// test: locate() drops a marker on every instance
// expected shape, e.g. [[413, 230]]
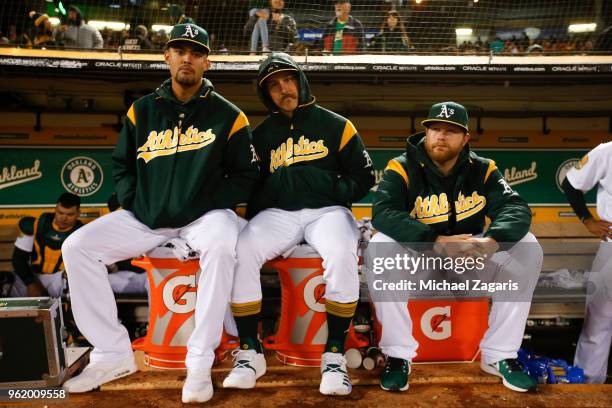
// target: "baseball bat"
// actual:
[[373, 359], [353, 358]]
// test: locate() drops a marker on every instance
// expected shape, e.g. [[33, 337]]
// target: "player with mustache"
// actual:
[[313, 166]]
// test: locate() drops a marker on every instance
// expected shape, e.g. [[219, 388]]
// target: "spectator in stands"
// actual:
[[259, 13], [178, 15], [12, 34], [554, 45], [159, 39], [282, 28], [343, 34], [37, 257], [277, 4], [138, 40], [535, 49], [467, 47], [392, 37], [511, 47], [106, 37], [496, 46], [114, 39], [39, 34], [77, 33]]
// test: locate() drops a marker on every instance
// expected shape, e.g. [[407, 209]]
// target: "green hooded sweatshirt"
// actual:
[[314, 159], [415, 202], [176, 161]]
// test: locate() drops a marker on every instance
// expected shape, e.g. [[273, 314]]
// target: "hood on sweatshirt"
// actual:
[[279, 61]]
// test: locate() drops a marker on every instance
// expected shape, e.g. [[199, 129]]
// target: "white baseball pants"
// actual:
[[122, 282], [52, 282], [506, 320], [593, 349], [331, 231], [119, 235]]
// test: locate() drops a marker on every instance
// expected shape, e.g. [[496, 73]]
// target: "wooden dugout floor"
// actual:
[[419, 395], [431, 385]]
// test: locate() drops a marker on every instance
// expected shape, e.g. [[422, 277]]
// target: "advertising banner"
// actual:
[[33, 178]]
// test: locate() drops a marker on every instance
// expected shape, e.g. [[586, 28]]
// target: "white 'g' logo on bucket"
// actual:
[[434, 319], [177, 296], [314, 292]]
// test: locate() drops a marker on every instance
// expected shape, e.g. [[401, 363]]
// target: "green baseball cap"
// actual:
[[449, 112], [190, 33]]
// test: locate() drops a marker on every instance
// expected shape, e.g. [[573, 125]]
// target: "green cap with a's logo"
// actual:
[[450, 112], [189, 33]]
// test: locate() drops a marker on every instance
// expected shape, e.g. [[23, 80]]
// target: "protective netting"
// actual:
[[513, 27]]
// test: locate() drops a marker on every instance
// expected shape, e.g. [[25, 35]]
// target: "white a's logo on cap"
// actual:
[[445, 112], [190, 31]]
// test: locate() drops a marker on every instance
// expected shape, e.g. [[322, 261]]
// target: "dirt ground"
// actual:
[[419, 395], [432, 385]]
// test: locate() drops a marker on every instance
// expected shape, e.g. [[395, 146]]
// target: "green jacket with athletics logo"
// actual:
[[176, 161], [314, 159], [414, 202]]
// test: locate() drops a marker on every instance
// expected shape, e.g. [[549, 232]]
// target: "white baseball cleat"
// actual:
[[198, 386], [249, 365], [334, 378], [101, 372]]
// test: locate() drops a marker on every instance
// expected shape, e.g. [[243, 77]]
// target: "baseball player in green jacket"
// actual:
[[183, 161], [313, 166], [439, 191], [37, 257]]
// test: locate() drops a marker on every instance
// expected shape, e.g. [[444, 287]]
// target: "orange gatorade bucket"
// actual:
[[302, 332], [446, 330], [173, 288]]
